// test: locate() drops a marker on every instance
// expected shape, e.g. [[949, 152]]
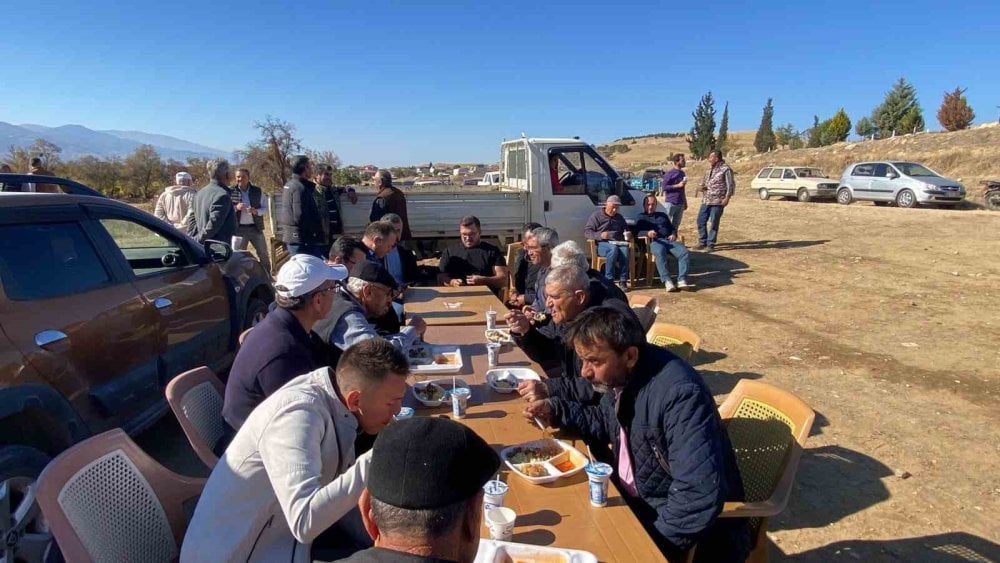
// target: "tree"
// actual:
[[48, 152], [795, 142], [144, 172], [955, 113], [17, 158], [723, 130], [701, 139], [837, 128], [764, 140], [274, 149], [814, 135], [100, 174], [323, 157], [783, 135], [899, 112], [346, 177], [865, 127]]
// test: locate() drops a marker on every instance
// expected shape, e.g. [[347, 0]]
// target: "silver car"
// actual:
[[905, 184]]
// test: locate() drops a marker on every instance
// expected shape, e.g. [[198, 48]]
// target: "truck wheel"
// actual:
[[804, 196], [844, 196], [24, 533], [905, 198], [256, 309], [763, 193]]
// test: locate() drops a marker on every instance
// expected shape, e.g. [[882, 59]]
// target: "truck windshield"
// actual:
[[914, 170]]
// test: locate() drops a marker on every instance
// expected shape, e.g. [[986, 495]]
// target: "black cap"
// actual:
[[373, 273], [425, 462]]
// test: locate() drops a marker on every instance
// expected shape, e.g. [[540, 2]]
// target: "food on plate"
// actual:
[[533, 470], [539, 317], [497, 335], [419, 356], [530, 556], [504, 383], [429, 392], [445, 359], [533, 455], [566, 466]]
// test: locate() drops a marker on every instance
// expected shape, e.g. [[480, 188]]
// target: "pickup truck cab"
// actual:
[[491, 179]]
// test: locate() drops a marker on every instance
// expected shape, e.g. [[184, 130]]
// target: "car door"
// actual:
[[789, 183], [77, 323], [189, 294], [882, 186], [861, 180], [774, 180]]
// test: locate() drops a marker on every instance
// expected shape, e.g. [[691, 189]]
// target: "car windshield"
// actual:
[[809, 173], [914, 170]]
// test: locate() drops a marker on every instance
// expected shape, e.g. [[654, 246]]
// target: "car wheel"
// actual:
[[993, 201], [905, 198], [804, 196], [844, 196], [24, 533], [763, 193], [256, 309]]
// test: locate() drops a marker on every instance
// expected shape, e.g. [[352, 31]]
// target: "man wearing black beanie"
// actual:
[[424, 501]]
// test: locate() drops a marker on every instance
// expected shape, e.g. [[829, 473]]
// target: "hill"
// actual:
[[77, 140]]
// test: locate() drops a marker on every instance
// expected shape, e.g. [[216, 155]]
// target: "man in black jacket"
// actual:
[[251, 206], [212, 215], [301, 222], [673, 461]]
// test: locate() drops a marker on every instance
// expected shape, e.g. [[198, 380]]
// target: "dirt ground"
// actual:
[[886, 321]]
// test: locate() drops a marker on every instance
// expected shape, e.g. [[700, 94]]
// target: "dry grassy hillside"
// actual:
[[971, 156]]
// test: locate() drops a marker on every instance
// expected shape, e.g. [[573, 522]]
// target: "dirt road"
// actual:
[[887, 322]]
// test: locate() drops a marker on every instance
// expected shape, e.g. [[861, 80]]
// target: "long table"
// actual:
[[442, 306], [557, 514]]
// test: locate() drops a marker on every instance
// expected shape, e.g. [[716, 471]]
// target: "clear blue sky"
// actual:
[[406, 82]]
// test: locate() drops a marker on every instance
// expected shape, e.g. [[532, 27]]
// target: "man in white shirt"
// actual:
[[251, 207]]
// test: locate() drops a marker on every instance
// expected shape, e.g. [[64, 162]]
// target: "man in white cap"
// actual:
[[609, 229], [174, 202], [283, 346]]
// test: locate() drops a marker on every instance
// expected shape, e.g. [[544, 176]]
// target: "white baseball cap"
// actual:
[[304, 273]]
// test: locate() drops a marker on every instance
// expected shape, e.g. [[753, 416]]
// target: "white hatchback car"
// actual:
[[802, 182]]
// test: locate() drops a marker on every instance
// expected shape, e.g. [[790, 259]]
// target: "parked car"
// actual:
[[801, 182], [101, 304], [905, 184]]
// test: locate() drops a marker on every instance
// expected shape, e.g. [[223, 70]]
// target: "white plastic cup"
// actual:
[[237, 243], [493, 354], [500, 521], [404, 413], [494, 493], [460, 401], [491, 320], [599, 474]]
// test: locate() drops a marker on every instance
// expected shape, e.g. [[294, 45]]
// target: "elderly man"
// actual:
[[539, 249], [662, 240], [301, 221], [251, 206], [718, 187], [525, 273], [424, 501], [291, 473], [283, 345], [367, 297], [609, 229], [389, 199], [473, 262], [569, 252], [212, 215], [173, 204], [673, 460]]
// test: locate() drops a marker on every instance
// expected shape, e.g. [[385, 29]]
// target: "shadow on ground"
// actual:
[[714, 270], [722, 382], [768, 244], [954, 547]]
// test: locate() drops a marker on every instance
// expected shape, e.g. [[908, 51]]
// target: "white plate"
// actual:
[[498, 335], [579, 460], [494, 551], [522, 374], [444, 384], [452, 352]]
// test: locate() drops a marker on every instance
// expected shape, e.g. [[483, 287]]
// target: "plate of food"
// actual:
[[499, 335], [495, 551], [428, 358], [506, 380], [436, 392], [543, 461]]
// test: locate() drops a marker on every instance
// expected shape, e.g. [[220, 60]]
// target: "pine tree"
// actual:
[[815, 134], [723, 130], [865, 127], [701, 140], [837, 128], [955, 113], [765, 141], [784, 134], [899, 112]]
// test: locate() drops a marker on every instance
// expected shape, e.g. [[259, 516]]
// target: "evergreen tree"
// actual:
[[701, 140], [764, 140], [784, 134], [815, 134], [899, 112], [865, 127], [837, 128], [955, 113], [723, 130]]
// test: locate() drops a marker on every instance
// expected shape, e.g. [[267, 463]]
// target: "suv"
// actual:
[[101, 304], [801, 182], [906, 184]]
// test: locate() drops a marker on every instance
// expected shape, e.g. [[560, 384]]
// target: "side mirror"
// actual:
[[218, 251], [891, 175]]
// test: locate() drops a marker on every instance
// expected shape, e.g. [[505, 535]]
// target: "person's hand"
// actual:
[[239, 206], [672, 237], [605, 235], [541, 409], [685, 206], [627, 235], [475, 280], [352, 196], [725, 201], [683, 183], [456, 282], [419, 324], [651, 234], [516, 300], [517, 322], [532, 390]]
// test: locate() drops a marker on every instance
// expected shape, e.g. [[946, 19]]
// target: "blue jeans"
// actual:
[[713, 214], [320, 251], [615, 260], [674, 212], [660, 248]]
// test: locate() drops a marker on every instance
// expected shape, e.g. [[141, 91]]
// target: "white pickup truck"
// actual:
[[585, 180], [491, 179]]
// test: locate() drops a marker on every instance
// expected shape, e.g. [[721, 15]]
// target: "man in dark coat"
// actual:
[[301, 221], [389, 199], [212, 215]]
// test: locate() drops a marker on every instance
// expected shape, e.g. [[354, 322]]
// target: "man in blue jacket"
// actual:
[[673, 461], [662, 237]]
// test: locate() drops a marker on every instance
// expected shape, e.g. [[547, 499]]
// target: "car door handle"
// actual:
[[46, 337], [162, 303]]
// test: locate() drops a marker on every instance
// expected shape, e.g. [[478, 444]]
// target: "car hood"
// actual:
[[935, 180]]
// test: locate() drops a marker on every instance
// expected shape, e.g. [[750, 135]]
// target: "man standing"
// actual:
[[212, 215], [673, 460], [331, 196], [473, 262], [301, 222], [175, 201], [719, 187], [36, 167], [251, 206], [389, 199], [609, 229], [675, 200], [662, 236]]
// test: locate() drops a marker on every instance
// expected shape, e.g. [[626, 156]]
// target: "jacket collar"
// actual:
[[323, 378]]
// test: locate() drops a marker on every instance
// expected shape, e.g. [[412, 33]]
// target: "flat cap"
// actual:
[[373, 273]]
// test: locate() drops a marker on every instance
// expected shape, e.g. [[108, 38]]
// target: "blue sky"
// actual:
[[406, 82]]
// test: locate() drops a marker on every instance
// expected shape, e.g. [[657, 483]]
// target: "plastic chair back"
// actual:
[[196, 397], [680, 340]]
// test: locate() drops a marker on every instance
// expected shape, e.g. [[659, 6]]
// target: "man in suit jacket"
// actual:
[[212, 215]]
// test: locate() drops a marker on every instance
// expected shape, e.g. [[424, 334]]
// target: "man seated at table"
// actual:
[[662, 237], [609, 229], [672, 457], [379, 239], [525, 273], [570, 253], [539, 248], [347, 251], [290, 473], [424, 500], [473, 262], [400, 261], [367, 297]]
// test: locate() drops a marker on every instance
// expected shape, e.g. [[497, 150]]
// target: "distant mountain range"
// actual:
[[77, 140]]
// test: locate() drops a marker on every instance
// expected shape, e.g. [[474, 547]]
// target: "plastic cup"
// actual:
[[491, 319], [493, 354], [460, 401], [404, 413], [599, 474], [494, 492], [500, 521], [237, 243]]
